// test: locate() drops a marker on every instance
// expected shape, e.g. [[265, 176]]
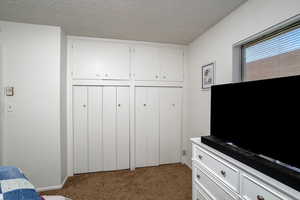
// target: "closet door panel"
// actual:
[[170, 125], [109, 128], [152, 132], [140, 126], [171, 64], [147, 127], [146, 63], [80, 130], [122, 127], [95, 129]]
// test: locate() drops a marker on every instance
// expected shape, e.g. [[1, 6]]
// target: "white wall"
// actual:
[[32, 131], [1, 100], [217, 45], [63, 105]]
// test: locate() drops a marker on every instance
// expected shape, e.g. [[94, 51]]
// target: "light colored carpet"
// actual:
[[166, 182]]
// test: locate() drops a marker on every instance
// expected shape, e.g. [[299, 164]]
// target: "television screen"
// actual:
[[260, 116]]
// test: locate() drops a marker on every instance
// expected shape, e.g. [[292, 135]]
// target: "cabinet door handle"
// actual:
[[198, 176], [119, 105], [200, 157], [145, 104], [156, 76], [223, 173], [259, 197], [84, 105]]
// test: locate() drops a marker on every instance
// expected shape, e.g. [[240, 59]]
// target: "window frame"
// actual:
[[263, 38]]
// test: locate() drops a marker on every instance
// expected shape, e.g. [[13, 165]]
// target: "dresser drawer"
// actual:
[[220, 168], [253, 189], [209, 188], [198, 193]]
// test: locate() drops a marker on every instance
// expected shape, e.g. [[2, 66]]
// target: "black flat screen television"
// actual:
[[260, 116]]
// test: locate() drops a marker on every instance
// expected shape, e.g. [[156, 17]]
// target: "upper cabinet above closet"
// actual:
[[171, 64], [115, 60], [95, 59], [156, 63]]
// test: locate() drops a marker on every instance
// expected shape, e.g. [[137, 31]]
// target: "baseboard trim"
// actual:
[[54, 187], [187, 164]]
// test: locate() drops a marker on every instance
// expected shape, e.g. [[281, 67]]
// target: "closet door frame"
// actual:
[[132, 83]]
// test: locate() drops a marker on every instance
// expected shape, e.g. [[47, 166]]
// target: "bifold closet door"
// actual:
[[123, 127], [80, 128], [109, 128], [147, 126], [170, 125], [95, 129]]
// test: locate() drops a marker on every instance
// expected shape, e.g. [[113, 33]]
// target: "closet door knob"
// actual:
[[259, 197], [119, 105], [84, 105], [200, 157], [224, 174], [145, 104], [156, 76], [198, 176]]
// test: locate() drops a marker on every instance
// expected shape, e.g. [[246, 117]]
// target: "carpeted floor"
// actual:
[[166, 182]]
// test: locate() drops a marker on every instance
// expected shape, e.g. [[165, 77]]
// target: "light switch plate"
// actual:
[[9, 91]]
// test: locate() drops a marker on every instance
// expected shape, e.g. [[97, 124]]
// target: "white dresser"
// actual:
[[217, 176]]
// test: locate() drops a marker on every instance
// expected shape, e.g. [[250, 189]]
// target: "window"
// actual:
[[275, 55]]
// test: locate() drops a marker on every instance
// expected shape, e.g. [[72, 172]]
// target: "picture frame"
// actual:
[[208, 75]]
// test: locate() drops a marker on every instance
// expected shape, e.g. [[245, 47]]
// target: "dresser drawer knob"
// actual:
[[224, 174], [259, 197], [200, 157], [198, 176]]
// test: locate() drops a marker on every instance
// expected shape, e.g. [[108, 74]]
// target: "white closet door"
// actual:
[[147, 127], [95, 129], [85, 62], [146, 63], [170, 125], [115, 60], [122, 127], [80, 130], [109, 128], [171, 64]]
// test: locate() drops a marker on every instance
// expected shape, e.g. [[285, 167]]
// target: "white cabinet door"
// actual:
[[147, 126], [114, 60], [109, 128], [122, 127], [85, 59], [146, 63], [80, 130], [95, 129], [171, 61], [170, 125]]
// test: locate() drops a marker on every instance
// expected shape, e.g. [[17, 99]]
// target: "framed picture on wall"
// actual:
[[208, 75]]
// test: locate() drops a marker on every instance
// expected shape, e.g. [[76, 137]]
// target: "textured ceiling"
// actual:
[[172, 21]]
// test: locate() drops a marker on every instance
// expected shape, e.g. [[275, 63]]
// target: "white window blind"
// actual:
[[284, 43]]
